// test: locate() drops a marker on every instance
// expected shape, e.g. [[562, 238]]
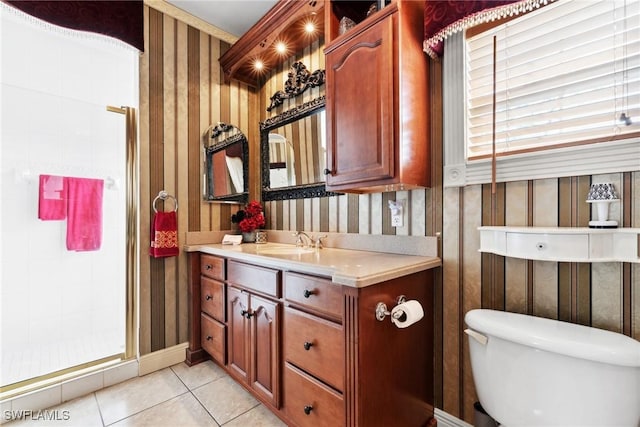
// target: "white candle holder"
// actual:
[[602, 195]]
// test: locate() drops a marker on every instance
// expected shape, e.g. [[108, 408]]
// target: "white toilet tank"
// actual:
[[532, 371]]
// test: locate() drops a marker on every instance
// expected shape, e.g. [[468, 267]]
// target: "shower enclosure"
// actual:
[[62, 309]]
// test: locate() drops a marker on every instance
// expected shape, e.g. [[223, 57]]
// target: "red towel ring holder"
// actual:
[[163, 195]]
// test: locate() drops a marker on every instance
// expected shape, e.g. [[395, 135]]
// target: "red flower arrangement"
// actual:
[[250, 218]]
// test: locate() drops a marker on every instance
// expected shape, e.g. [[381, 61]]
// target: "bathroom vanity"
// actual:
[[297, 327]]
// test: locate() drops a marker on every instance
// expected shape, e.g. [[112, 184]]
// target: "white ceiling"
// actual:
[[233, 16]]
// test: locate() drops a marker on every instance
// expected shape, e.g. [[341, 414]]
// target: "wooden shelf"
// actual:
[[284, 21], [563, 244]]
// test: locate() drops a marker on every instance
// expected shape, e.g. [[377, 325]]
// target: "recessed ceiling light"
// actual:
[[309, 27], [281, 47], [258, 64]]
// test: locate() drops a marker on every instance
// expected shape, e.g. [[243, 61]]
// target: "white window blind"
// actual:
[[566, 74]]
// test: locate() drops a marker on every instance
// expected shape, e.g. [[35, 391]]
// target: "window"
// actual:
[[565, 74]]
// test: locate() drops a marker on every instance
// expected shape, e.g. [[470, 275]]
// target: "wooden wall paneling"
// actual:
[[353, 217], [418, 207], [408, 213], [156, 166], [206, 84], [323, 214], [144, 338], [379, 221], [634, 194], [606, 278], [545, 273], [452, 266], [471, 286], [364, 213], [516, 214]]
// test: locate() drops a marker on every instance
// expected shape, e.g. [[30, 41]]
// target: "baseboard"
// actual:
[[162, 359], [448, 420]]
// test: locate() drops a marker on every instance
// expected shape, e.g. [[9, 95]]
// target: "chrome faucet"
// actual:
[[316, 243], [300, 241]]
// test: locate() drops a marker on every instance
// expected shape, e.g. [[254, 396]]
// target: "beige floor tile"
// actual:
[[80, 412], [183, 411], [198, 375], [259, 416], [133, 396], [225, 399]]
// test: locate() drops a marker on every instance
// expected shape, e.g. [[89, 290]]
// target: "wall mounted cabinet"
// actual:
[[563, 244], [377, 99]]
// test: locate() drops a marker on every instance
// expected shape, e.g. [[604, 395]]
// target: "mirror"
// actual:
[[226, 166], [293, 153]]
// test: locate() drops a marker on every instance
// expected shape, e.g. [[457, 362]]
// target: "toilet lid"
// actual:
[[557, 336]]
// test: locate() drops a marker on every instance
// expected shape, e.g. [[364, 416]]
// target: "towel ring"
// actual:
[[163, 195]]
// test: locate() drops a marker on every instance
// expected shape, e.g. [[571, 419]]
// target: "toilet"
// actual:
[[532, 371]]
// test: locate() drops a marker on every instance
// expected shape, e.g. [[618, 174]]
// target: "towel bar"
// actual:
[[163, 195]]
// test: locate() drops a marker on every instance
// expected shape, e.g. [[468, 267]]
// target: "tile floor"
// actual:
[[201, 395]]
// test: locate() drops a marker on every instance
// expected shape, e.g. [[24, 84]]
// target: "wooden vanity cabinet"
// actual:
[[254, 328], [208, 317], [377, 99], [312, 350]]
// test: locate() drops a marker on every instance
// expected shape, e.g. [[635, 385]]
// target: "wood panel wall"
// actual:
[[182, 92]]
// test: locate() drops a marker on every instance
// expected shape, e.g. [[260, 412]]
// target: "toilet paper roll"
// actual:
[[407, 313]]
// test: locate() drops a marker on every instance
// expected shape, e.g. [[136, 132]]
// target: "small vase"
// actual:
[[249, 237]]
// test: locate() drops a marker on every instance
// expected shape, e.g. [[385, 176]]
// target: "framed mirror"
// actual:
[[226, 166], [292, 147]]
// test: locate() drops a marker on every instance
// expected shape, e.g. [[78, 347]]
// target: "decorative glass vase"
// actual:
[[249, 237]]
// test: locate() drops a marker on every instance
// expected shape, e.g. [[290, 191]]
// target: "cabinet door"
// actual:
[[360, 107], [265, 348], [238, 333]]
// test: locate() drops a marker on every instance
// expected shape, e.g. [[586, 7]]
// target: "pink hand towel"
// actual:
[[164, 232], [52, 198], [84, 210]]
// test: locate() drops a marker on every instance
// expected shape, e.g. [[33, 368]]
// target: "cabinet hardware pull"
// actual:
[[208, 297], [209, 337], [307, 409], [208, 267], [246, 313], [327, 171], [307, 345], [307, 293]]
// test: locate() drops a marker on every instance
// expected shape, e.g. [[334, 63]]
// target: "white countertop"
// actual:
[[349, 267]]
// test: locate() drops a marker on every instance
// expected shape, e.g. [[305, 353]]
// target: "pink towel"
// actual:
[[84, 211], [164, 232], [52, 198]]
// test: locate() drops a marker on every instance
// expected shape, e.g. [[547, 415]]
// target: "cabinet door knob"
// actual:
[[327, 171], [307, 409], [307, 293], [246, 313], [209, 337], [208, 297], [307, 345], [208, 267]]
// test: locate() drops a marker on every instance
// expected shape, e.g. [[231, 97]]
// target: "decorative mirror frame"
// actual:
[[297, 191], [212, 133]]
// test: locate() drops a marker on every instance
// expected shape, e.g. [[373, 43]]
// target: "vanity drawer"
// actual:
[[552, 247], [259, 279], [212, 298], [212, 266], [315, 345], [213, 338], [309, 403], [315, 293]]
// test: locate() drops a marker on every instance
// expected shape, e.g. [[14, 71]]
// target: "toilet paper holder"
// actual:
[[382, 311]]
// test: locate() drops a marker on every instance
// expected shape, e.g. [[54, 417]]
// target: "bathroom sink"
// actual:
[[285, 251]]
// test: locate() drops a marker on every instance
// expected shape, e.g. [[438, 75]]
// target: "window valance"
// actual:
[[119, 19], [445, 17]]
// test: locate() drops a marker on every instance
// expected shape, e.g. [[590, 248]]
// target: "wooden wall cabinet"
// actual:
[[377, 99]]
